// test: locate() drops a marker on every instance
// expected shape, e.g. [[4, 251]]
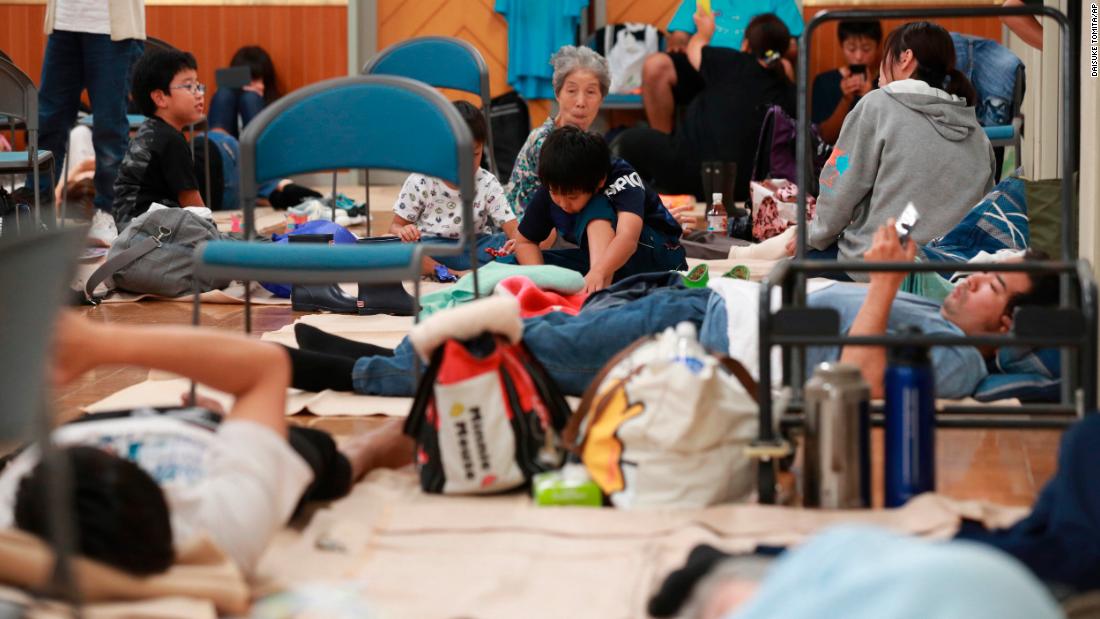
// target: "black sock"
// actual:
[[312, 338], [317, 371]]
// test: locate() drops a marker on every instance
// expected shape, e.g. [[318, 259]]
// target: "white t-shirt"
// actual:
[[239, 484], [436, 209], [92, 16]]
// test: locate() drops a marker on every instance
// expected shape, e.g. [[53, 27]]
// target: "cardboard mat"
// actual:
[[428, 556]]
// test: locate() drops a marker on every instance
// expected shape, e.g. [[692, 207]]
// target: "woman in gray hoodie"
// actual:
[[915, 139]]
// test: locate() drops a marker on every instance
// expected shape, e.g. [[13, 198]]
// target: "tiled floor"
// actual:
[[1005, 466]]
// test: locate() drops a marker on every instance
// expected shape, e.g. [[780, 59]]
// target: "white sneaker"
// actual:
[[103, 231]]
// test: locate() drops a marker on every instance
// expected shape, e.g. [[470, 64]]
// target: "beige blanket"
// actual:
[[437, 557]]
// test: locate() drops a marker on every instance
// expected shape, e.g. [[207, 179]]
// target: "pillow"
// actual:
[[1029, 374]]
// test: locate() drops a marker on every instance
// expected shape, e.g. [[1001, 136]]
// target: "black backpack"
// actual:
[[511, 123]]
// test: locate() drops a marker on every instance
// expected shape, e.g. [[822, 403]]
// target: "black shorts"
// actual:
[[688, 80]]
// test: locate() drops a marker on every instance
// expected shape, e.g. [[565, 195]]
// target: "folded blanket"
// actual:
[[547, 277], [534, 301]]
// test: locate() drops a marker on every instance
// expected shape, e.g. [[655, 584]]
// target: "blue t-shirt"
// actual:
[[624, 191], [535, 31], [731, 17], [958, 369]]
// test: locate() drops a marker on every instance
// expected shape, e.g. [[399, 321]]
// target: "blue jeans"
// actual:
[[573, 348], [991, 67], [229, 104], [462, 262], [75, 61]]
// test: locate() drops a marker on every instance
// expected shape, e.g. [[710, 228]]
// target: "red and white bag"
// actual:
[[775, 207], [487, 416]]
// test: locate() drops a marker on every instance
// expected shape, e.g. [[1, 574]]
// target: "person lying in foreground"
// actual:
[[574, 348], [145, 484]]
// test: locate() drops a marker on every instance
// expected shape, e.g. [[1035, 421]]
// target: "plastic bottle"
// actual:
[[716, 215], [687, 347], [910, 424]]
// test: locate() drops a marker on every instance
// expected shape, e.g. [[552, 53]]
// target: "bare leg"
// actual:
[[658, 80], [384, 447]]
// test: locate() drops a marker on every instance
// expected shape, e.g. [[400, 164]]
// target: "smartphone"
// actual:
[[857, 69], [905, 222]]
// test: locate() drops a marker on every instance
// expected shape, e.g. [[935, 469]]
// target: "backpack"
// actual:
[[776, 150], [155, 255], [511, 123], [664, 424], [225, 173], [486, 415]]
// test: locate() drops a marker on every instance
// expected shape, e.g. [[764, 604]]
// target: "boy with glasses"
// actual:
[[158, 165]]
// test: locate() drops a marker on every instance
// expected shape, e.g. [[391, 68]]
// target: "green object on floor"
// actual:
[[546, 276], [697, 277], [738, 272], [568, 486]]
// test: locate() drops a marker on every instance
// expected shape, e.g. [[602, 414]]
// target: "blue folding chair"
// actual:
[[352, 122], [443, 62], [19, 101]]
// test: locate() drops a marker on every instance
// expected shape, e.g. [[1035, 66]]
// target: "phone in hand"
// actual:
[[905, 222], [857, 69]]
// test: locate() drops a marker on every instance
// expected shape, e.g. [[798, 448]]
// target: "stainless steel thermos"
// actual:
[[837, 448]]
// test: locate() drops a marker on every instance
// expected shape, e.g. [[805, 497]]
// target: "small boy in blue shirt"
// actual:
[[620, 226]]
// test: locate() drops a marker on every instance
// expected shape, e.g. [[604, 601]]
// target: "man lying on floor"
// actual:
[[145, 484], [574, 348]]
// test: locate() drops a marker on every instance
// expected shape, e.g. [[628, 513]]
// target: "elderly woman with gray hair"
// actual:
[[581, 79]]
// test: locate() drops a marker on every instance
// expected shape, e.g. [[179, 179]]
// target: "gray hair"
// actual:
[[572, 58]]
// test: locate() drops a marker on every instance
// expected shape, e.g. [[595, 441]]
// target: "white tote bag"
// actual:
[[668, 425]]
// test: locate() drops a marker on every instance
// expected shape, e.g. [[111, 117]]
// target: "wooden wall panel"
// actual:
[[307, 43], [473, 21], [656, 12]]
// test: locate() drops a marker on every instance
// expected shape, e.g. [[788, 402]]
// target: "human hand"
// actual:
[[854, 85], [595, 280], [409, 233], [685, 217], [508, 248], [256, 86], [704, 23], [886, 247]]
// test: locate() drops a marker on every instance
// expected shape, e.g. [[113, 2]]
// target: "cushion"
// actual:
[[1029, 374]]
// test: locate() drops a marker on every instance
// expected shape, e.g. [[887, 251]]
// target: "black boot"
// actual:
[[389, 298], [319, 297]]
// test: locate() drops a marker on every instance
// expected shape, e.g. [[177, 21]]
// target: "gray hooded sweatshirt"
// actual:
[[905, 142]]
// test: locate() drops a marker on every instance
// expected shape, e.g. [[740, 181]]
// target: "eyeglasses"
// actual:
[[194, 88]]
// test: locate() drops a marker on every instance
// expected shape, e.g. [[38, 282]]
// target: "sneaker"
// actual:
[[103, 231]]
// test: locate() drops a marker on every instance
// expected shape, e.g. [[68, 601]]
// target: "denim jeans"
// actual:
[[991, 67], [229, 104], [462, 262], [75, 61], [573, 348]]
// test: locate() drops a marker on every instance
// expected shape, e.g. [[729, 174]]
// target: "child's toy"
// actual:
[[705, 6], [496, 252], [444, 275]]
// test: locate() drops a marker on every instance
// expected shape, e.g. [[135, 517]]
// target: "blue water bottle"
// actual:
[[910, 424]]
